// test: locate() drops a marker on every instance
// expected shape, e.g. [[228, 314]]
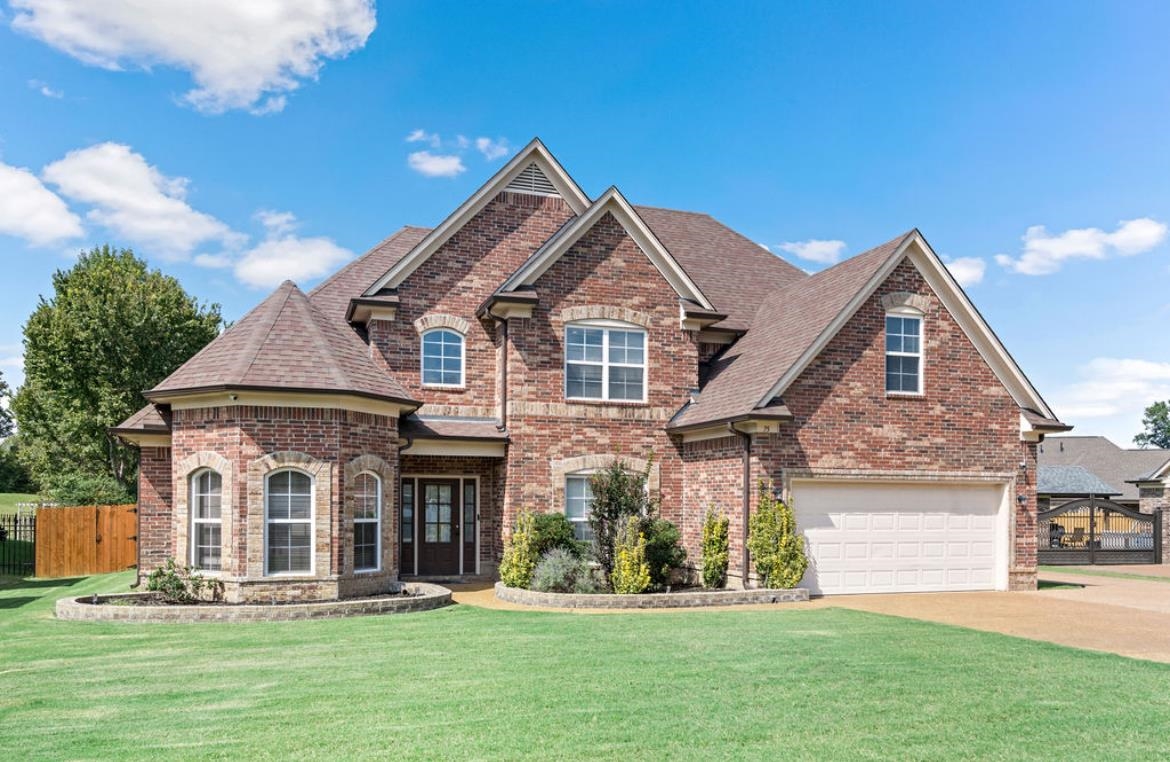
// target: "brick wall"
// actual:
[[713, 479], [1151, 499], [155, 542], [605, 270], [455, 281]]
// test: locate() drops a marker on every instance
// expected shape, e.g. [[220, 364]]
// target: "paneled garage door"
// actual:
[[894, 538]]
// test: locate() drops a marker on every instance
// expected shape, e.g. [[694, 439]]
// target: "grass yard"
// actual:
[[1103, 573], [471, 683], [8, 500]]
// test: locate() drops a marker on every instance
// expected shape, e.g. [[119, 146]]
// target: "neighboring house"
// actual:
[[396, 419], [1136, 478]]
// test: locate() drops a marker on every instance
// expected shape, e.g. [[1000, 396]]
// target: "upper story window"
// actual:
[[367, 523], [206, 529], [288, 513], [904, 353], [442, 358], [605, 360]]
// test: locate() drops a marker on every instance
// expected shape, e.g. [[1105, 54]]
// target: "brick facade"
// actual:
[[1152, 498], [155, 489]]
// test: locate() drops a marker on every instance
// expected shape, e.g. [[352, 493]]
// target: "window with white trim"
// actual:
[[605, 361], [442, 358], [904, 353], [367, 523], [579, 504], [206, 526], [288, 514]]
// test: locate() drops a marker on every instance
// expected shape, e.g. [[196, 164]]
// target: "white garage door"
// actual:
[[894, 538]]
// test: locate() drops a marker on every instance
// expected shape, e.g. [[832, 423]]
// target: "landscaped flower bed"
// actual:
[[149, 607], [686, 598]]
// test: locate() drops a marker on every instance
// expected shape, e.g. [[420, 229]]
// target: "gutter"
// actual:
[[745, 560]]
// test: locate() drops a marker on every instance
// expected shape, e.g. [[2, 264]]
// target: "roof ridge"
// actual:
[[253, 347], [319, 320], [359, 258]]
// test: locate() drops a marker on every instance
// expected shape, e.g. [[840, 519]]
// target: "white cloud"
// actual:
[[825, 252], [1045, 253], [44, 89], [31, 211], [435, 165], [241, 55], [212, 261], [1110, 396], [289, 258], [492, 149], [277, 223], [967, 270], [135, 200], [422, 136]]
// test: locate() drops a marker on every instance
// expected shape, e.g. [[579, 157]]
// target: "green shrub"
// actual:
[[183, 584], [561, 571], [777, 550], [554, 530], [631, 573], [77, 488], [715, 549], [520, 555], [618, 494], [664, 551]]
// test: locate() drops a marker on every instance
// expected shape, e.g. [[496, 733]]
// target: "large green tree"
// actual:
[[1156, 423], [5, 413], [112, 329]]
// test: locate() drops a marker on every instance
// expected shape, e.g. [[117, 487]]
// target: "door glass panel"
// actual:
[[469, 513], [408, 511], [437, 512]]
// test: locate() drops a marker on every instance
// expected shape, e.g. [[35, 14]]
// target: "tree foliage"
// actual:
[[5, 413], [1156, 423], [112, 329], [618, 493]]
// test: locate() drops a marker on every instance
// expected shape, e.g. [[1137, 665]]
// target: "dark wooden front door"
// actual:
[[438, 531]]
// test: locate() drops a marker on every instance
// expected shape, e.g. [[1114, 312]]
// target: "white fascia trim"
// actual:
[[614, 202], [534, 151], [990, 348], [460, 448]]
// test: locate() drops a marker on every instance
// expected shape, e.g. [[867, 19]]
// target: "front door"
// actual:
[[439, 546]]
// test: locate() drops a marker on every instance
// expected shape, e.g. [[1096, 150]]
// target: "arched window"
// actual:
[[288, 508], [442, 358], [605, 360], [206, 529], [367, 523]]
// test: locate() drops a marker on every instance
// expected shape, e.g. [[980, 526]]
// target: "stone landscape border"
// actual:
[[685, 599], [427, 596]]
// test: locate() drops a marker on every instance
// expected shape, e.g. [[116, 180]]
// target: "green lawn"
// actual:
[[1103, 573], [471, 683], [8, 500]]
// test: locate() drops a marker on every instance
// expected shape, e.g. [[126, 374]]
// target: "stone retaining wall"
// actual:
[[688, 599], [82, 609]]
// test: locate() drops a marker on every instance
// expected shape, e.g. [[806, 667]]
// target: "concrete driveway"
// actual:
[[1122, 616]]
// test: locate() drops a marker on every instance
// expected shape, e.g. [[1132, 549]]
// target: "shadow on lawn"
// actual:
[[28, 583], [16, 602]]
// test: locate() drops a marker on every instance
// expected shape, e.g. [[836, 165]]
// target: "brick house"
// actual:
[[396, 419]]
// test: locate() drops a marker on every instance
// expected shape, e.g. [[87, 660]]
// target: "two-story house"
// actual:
[[396, 419]]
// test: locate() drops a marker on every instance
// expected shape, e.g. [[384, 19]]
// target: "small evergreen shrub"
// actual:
[[560, 571], [631, 573], [618, 494], [554, 530], [777, 550], [664, 551], [715, 549], [520, 555], [183, 584]]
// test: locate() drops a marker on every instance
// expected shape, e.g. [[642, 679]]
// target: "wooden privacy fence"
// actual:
[[91, 539]]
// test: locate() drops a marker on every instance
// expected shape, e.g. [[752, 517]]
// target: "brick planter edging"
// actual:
[[689, 599], [82, 609]]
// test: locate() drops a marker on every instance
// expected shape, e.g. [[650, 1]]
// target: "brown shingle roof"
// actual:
[[787, 323], [286, 343], [1114, 465], [417, 427], [732, 271], [332, 296], [149, 418]]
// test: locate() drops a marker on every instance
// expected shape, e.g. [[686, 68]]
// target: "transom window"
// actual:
[[578, 505], [206, 528], [442, 358], [605, 363], [904, 354], [289, 518], [367, 523]]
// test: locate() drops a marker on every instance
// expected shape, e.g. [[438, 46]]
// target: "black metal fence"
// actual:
[[1096, 531], [18, 543]]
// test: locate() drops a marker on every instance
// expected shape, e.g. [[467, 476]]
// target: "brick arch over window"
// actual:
[[562, 468], [388, 476], [181, 518], [323, 509], [606, 312], [438, 320], [905, 299]]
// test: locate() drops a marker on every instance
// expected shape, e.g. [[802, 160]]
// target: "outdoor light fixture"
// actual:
[[1021, 499]]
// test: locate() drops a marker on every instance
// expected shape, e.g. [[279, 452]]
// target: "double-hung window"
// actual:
[[605, 362], [289, 518], [367, 523], [579, 504], [206, 529], [903, 353]]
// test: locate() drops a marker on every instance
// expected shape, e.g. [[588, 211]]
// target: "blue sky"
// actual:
[[1027, 141]]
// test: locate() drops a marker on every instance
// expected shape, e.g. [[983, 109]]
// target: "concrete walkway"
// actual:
[[1121, 616]]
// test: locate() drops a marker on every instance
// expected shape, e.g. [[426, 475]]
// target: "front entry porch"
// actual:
[[440, 520]]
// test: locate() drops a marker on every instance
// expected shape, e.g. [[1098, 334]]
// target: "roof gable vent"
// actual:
[[531, 180]]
